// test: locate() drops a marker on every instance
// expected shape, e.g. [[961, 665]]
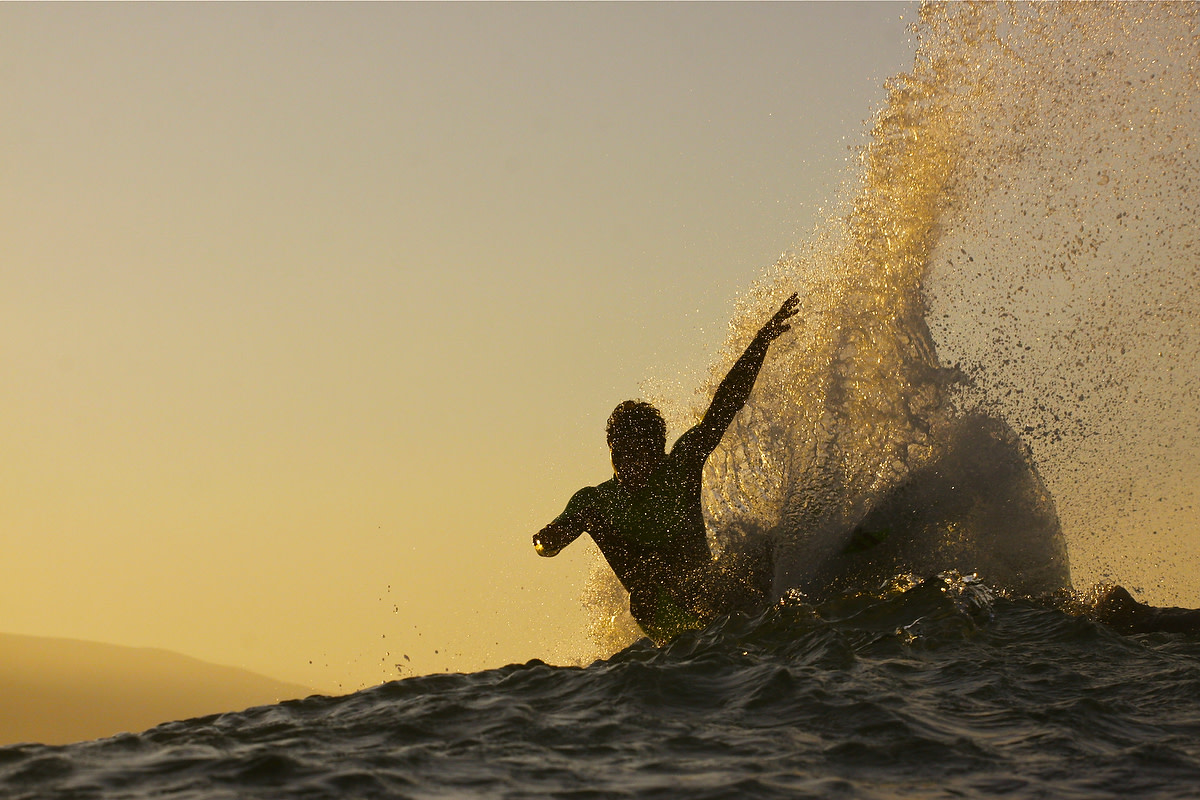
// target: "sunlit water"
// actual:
[[1023, 243], [996, 368]]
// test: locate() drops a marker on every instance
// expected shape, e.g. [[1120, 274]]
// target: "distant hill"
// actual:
[[56, 691]]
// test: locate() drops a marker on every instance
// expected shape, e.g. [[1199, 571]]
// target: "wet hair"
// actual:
[[635, 419]]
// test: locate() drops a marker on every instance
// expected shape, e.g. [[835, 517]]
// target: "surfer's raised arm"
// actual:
[[734, 390], [647, 519]]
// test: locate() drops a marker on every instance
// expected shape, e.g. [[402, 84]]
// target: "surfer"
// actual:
[[647, 519]]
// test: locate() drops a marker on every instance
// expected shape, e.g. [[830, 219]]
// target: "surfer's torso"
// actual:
[[653, 537]]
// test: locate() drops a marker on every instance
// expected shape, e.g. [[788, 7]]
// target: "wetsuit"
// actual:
[[654, 538]]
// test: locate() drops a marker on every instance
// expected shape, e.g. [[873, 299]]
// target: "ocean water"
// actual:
[[996, 375], [938, 689]]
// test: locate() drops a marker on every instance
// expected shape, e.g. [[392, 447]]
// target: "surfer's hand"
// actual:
[[540, 546], [551, 539], [777, 325]]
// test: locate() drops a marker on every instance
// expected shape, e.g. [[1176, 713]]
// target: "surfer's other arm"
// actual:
[[550, 540], [578, 518], [734, 390]]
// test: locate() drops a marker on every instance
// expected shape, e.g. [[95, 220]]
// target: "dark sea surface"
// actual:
[[939, 690]]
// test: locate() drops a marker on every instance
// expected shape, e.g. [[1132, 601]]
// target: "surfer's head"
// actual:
[[637, 437]]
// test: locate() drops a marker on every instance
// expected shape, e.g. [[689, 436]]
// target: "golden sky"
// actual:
[[312, 314]]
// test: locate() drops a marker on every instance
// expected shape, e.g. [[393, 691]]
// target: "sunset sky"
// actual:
[[313, 314]]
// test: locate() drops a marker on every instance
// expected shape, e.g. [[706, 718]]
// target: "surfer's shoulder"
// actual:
[[601, 489], [592, 495], [688, 448]]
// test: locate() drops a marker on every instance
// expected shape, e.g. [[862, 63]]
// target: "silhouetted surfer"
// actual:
[[647, 519]]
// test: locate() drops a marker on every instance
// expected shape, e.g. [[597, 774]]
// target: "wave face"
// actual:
[[922, 689]]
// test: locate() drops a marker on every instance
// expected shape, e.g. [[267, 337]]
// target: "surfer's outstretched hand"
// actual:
[[777, 325]]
